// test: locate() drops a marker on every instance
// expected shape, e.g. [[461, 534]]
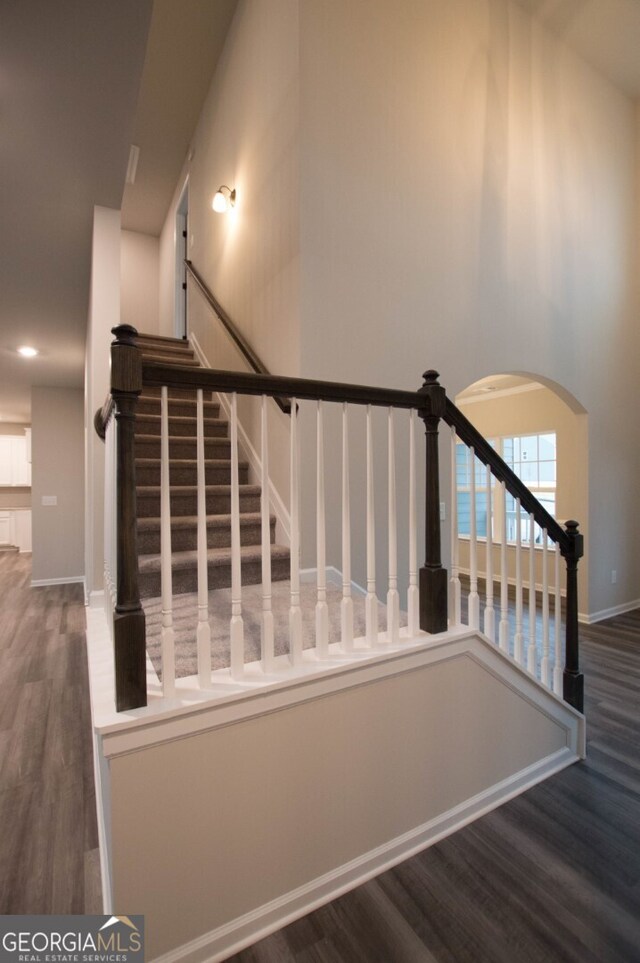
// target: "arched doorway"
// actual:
[[540, 429]]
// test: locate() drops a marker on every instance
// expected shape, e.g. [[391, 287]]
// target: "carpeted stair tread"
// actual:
[[181, 425], [193, 489], [213, 521], [184, 471], [215, 557], [187, 407]]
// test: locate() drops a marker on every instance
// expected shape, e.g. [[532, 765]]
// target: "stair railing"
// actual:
[[563, 676], [427, 595], [245, 349]]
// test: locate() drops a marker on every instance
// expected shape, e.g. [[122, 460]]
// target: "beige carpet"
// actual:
[[185, 617]]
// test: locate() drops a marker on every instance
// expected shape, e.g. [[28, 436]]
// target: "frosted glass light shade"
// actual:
[[223, 201], [219, 202]]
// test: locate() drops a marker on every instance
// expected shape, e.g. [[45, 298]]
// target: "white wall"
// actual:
[[139, 280], [57, 447], [467, 204], [104, 314], [247, 137], [427, 185]]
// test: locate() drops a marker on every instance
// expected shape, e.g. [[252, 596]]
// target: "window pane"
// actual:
[[529, 473], [548, 472], [529, 448], [547, 446]]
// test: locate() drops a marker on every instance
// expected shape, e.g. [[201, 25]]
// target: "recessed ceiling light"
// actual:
[[27, 352]]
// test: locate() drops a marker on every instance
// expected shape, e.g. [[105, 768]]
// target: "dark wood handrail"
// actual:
[[211, 379], [470, 435], [239, 340]]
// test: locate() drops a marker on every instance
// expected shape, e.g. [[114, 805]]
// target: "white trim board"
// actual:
[[70, 580], [333, 576], [275, 501], [592, 617], [234, 936]]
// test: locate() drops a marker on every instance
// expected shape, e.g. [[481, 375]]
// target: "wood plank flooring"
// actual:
[[551, 877], [48, 834]]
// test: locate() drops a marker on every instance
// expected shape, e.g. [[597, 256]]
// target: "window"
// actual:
[[533, 459]]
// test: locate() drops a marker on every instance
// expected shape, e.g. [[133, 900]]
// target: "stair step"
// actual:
[[148, 446], [184, 532], [186, 394], [181, 349], [181, 425], [183, 362], [159, 339], [187, 407], [184, 471], [184, 567], [184, 500]]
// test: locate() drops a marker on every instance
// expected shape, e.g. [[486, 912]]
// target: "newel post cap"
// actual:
[[434, 394], [576, 537], [126, 360]]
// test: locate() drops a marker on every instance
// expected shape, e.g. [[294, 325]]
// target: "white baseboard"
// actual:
[[226, 940], [277, 505], [70, 580], [592, 617], [510, 581], [334, 577]]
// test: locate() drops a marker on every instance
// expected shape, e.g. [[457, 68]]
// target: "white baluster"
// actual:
[[393, 598], [413, 593], [346, 605], [489, 611], [266, 624], [322, 611], [558, 666], [455, 593], [371, 601], [295, 615], [517, 639], [167, 635], [474, 598], [544, 664], [237, 622], [503, 632], [531, 651], [203, 632]]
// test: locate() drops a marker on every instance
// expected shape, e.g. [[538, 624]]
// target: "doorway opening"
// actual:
[[181, 253]]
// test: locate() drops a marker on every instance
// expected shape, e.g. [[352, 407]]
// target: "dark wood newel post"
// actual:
[[128, 620], [573, 680], [433, 577]]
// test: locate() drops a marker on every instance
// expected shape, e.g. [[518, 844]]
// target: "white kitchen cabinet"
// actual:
[[5, 528], [21, 529], [6, 461], [15, 470]]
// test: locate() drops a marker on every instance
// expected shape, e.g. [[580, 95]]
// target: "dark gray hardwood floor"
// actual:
[[551, 877], [48, 835]]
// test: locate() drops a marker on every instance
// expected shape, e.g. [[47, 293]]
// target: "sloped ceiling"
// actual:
[[605, 32], [80, 81]]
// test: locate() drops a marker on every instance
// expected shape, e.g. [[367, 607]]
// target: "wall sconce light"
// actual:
[[223, 201]]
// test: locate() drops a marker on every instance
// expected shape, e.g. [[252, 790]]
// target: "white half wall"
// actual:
[[231, 820], [57, 447], [103, 315]]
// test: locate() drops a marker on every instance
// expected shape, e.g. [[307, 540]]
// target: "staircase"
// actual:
[[182, 476]]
